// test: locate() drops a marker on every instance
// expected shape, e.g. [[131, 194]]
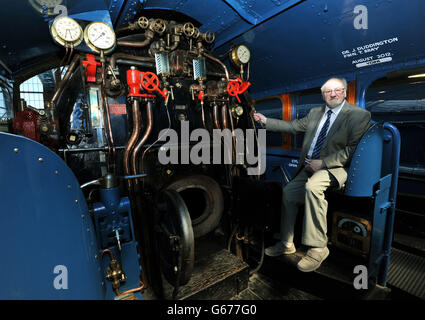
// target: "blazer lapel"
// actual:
[[309, 137]]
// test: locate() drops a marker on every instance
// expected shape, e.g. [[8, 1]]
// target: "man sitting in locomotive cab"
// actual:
[[332, 132]]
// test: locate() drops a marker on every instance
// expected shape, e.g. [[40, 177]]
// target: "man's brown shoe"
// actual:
[[312, 260]]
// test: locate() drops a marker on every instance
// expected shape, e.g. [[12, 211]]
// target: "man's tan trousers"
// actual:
[[309, 190]]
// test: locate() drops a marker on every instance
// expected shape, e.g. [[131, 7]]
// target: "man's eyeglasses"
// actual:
[[337, 91]]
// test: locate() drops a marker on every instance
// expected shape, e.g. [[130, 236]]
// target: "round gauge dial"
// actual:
[[237, 111], [241, 54], [100, 36], [66, 31]]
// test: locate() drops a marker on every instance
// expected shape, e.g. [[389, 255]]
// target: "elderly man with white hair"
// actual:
[[332, 132]]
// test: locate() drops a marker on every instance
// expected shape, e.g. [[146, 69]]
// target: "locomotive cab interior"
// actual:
[[131, 165]]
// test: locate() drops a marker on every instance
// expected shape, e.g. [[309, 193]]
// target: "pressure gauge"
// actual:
[[240, 55], [66, 31], [100, 36], [237, 111]]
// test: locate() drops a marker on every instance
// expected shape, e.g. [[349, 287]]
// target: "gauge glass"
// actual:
[[243, 54], [65, 29], [100, 36]]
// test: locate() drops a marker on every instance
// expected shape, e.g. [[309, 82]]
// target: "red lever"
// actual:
[[91, 66]]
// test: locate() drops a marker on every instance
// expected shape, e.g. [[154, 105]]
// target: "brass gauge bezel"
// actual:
[[62, 41], [235, 57], [93, 46]]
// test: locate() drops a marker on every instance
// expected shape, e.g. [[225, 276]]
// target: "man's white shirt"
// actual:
[[334, 114]]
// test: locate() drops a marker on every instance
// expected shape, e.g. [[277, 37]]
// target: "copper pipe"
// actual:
[[203, 116], [110, 138], [224, 117], [219, 62], [226, 124], [117, 56], [215, 116], [159, 137], [111, 255], [62, 62], [133, 138], [130, 27], [142, 286], [134, 44], [65, 79], [149, 115], [105, 104], [231, 120], [233, 135], [69, 58]]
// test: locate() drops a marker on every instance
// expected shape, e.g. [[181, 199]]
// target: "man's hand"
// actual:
[[260, 118], [313, 165]]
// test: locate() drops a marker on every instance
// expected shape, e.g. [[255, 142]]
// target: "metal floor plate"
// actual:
[[407, 272]]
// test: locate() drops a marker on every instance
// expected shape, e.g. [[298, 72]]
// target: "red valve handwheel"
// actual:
[[150, 81]]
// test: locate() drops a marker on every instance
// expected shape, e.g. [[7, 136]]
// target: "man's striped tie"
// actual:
[[322, 137]]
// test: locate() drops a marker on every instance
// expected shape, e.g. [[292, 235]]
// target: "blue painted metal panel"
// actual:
[[313, 41], [377, 253], [129, 11], [278, 161], [44, 223], [115, 7], [113, 214], [365, 168], [392, 149]]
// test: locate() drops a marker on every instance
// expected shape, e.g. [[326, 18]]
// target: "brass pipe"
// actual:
[[149, 115], [133, 138]]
